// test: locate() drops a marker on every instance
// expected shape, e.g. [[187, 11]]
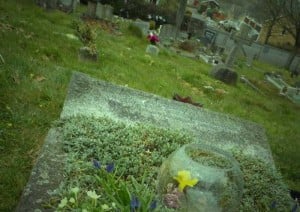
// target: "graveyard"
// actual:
[[69, 81]]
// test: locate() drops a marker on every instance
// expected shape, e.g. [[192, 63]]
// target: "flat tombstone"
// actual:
[[94, 98]]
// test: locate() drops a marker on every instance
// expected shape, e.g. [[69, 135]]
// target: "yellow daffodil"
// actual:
[[184, 179]]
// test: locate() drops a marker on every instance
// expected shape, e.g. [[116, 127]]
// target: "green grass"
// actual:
[[33, 45]]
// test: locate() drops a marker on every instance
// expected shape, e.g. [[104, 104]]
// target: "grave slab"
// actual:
[[90, 97]]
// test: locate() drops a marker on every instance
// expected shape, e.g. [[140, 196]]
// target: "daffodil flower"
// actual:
[[184, 179]]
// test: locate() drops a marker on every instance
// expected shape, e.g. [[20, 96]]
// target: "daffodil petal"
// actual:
[[184, 179]]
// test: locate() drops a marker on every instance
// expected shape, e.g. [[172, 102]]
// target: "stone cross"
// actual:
[[239, 39]]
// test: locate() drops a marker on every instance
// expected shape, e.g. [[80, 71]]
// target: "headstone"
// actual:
[[224, 74], [86, 53], [152, 49], [91, 9], [244, 30], [242, 37], [250, 57], [104, 12], [143, 25], [100, 11], [167, 32], [232, 55], [47, 4], [108, 12], [67, 5], [210, 35]]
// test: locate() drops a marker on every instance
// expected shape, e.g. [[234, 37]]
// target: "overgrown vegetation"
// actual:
[[39, 60], [119, 162]]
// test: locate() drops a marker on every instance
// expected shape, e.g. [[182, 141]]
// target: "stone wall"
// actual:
[[263, 53]]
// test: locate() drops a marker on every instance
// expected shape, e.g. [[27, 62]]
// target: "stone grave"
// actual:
[[143, 25], [225, 73], [152, 49], [285, 89], [90, 97], [91, 9], [47, 4], [104, 11], [167, 32], [67, 5], [241, 38]]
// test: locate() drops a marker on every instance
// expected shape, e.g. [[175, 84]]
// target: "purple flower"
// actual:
[[110, 167], [96, 164], [153, 205], [134, 204]]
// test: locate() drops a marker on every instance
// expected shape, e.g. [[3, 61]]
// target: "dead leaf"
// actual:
[[39, 78]]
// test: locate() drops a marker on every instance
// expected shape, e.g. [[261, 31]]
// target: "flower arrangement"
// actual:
[[153, 38]]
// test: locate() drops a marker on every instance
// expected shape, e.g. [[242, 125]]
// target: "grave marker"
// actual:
[[143, 25], [90, 97]]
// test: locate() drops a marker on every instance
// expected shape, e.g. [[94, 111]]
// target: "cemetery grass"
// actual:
[[39, 60]]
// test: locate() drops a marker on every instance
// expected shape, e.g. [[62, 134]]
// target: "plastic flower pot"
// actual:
[[220, 180]]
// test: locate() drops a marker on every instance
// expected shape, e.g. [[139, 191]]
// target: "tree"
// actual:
[[292, 25], [273, 11], [292, 13]]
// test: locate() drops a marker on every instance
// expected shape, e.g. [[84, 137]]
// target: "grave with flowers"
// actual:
[[119, 149]]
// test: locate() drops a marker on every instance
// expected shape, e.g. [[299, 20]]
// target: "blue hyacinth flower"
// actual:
[[110, 167], [96, 164], [134, 204], [153, 205]]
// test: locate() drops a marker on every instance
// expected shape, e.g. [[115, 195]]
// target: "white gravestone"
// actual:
[[152, 49]]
